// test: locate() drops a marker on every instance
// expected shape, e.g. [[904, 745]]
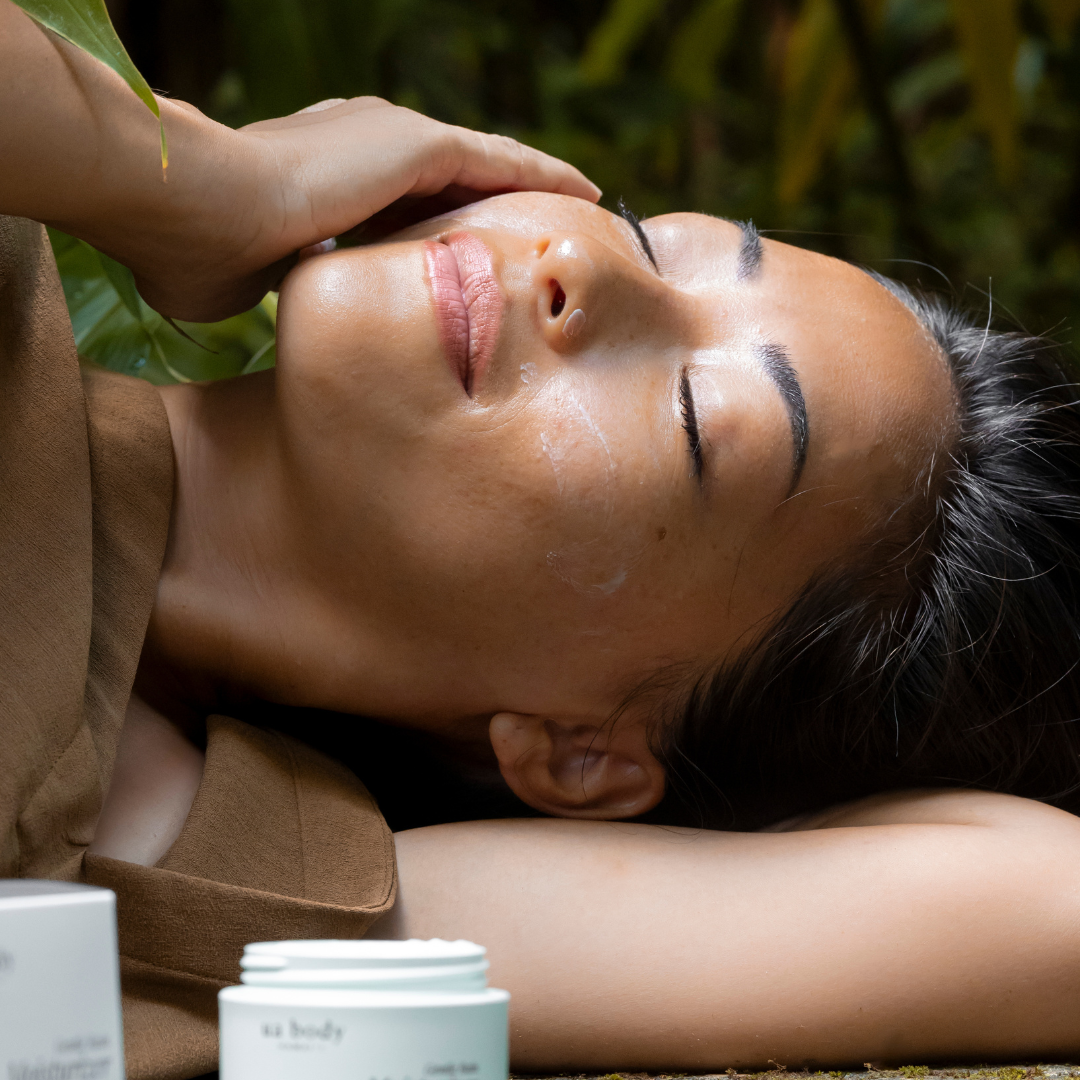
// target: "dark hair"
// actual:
[[949, 658]]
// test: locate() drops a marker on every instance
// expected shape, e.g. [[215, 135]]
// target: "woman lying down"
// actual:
[[754, 575]]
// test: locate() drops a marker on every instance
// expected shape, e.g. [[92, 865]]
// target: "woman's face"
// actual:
[[529, 466]]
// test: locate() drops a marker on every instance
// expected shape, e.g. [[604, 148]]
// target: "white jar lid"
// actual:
[[16, 893], [367, 964]]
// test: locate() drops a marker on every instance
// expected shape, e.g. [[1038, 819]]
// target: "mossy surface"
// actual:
[[869, 1072]]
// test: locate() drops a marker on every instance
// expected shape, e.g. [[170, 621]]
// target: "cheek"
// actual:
[[324, 303], [357, 336], [609, 490], [566, 497]]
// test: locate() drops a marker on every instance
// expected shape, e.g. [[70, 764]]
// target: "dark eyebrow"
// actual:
[[750, 251], [631, 218], [777, 364]]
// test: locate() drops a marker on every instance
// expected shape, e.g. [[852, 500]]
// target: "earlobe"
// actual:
[[569, 768]]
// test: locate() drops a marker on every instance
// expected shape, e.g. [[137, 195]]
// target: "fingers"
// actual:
[[499, 163], [382, 134]]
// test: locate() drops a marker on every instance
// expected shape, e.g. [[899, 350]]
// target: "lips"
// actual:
[[468, 304]]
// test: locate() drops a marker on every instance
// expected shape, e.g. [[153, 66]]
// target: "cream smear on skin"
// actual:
[[599, 564]]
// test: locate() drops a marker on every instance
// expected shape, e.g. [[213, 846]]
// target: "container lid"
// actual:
[[28, 892], [367, 964]]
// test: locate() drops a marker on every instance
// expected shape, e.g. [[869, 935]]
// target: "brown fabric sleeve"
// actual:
[[281, 842], [84, 515], [131, 476], [45, 545]]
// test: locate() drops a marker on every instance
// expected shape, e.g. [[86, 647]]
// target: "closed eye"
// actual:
[[632, 219], [690, 424]]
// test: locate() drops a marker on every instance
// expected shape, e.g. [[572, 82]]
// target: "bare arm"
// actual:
[[914, 927], [80, 151]]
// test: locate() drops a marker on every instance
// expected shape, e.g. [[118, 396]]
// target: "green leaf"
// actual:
[[926, 80], [610, 44], [818, 79], [115, 328], [988, 32], [697, 46], [123, 281], [86, 23]]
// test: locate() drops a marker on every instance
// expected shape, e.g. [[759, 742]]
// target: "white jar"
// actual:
[[59, 982], [363, 1010]]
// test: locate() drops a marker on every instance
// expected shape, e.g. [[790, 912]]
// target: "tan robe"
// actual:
[[281, 841]]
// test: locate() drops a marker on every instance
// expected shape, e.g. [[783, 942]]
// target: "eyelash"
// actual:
[[686, 397], [631, 218], [690, 424]]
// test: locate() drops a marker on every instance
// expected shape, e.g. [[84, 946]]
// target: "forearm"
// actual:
[[634, 947], [81, 151]]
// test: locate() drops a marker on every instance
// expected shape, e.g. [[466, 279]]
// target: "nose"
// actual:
[[566, 291], [592, 300]]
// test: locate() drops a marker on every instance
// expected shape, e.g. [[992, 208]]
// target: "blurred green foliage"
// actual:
[[115, 328], [934, 140]]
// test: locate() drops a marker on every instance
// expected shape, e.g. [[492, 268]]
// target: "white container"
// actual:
[[364, 1010], [59, 982]]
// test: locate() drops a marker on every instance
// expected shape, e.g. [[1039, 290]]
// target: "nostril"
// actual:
[[558, 301]]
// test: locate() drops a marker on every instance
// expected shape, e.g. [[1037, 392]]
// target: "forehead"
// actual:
[[701, 254], [699, 251]]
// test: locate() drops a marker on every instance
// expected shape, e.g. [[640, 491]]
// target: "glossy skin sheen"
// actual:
[[82, 152], [547, 522], [917, 927]]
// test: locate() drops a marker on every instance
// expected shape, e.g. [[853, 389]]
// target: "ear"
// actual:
[[568, 768]]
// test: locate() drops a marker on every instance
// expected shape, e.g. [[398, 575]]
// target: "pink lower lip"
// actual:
[[468, 304]]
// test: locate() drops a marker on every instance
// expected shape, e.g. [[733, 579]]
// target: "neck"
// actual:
[[224, 564], [242, 613]]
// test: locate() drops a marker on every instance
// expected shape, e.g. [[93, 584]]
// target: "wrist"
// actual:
[[198, 211], [89, 162], [82, 152]]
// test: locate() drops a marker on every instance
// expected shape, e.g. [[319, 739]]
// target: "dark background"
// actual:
[[939, 131]]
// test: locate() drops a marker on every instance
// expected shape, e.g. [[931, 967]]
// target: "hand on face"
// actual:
[[328, 169], [81, 152]]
